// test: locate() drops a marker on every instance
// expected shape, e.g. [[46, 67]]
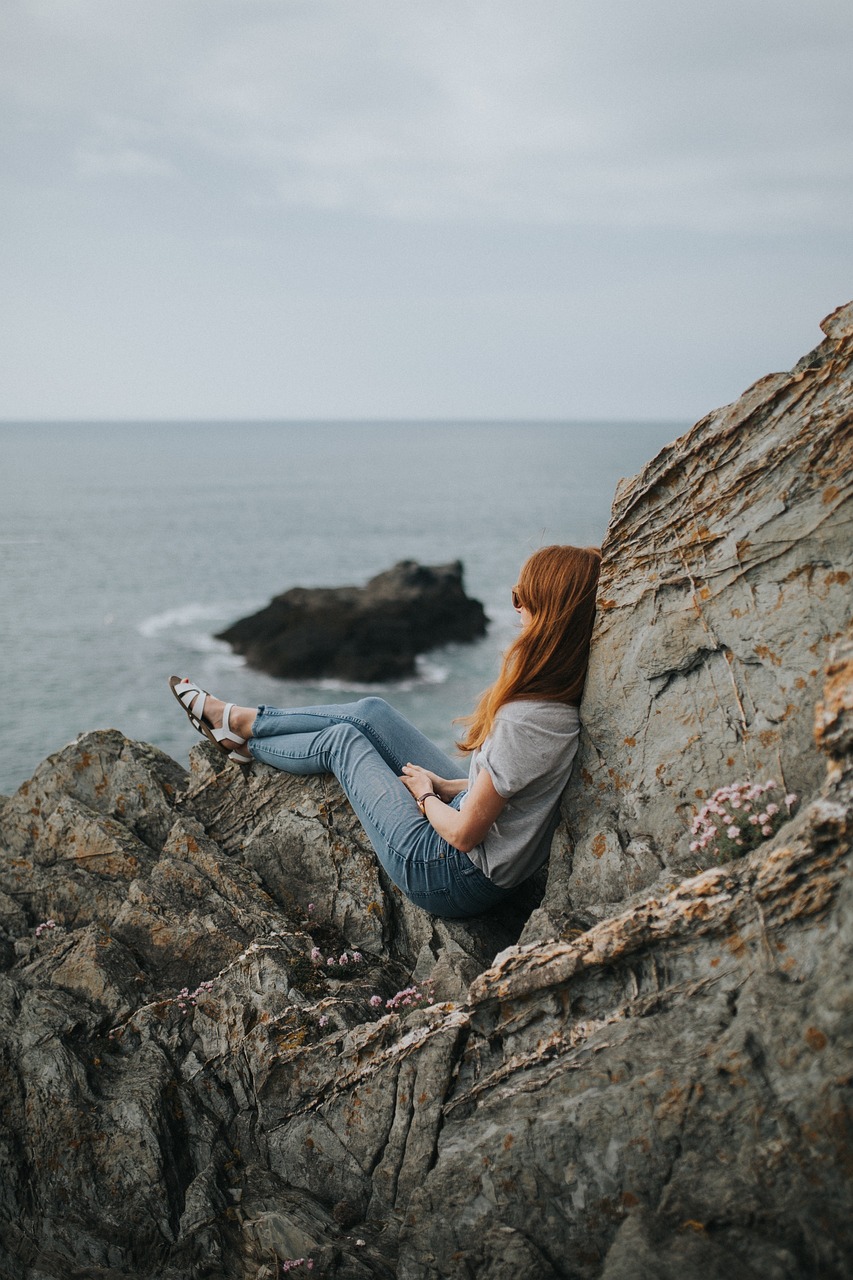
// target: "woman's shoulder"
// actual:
[[558, 717]]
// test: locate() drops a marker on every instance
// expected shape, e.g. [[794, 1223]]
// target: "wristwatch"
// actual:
[[421, 799]]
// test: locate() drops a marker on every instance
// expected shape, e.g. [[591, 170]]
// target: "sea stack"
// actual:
[[360, 634]]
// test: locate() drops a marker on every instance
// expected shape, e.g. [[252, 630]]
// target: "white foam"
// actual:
[[185, 615]]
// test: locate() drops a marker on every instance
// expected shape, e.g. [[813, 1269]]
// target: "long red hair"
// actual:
[[548, 659]]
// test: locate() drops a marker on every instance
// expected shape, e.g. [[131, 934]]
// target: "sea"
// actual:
[[125, 546]]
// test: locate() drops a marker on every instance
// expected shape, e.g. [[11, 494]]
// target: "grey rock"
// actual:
[[652, 1081], [726, 577], [360, 634]]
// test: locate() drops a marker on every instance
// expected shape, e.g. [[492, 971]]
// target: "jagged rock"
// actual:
[[190, 1090], [725, 579], [360, 634]]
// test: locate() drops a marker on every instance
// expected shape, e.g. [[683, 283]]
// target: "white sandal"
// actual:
[[188, 694]]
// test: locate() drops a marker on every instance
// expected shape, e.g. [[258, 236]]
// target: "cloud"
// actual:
[[600, 112]]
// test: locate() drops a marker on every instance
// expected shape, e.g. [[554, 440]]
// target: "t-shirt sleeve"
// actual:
[[517, 754]]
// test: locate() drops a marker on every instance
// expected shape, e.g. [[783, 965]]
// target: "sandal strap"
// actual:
[[187, 696], [226, 731]]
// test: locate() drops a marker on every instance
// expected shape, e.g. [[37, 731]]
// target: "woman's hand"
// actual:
[[419, 782], [444, 788]]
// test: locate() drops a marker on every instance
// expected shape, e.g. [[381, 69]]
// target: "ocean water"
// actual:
[[125, 546]]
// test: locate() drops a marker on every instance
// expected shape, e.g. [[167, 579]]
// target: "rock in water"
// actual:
[[204, 1073], [361, 634]]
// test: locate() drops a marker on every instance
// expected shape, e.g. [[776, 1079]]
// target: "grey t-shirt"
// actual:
[[529, 756]]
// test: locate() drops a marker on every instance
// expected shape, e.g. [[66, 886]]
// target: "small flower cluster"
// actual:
[[186, 996], [342, 961], [46, 926], [290, 1264], [407, 998], [737, 818]]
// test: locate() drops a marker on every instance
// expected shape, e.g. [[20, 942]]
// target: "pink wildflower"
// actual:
[[375, 1001], [733, 832]]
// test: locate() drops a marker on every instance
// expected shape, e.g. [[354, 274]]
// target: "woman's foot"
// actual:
[[226, 726], [240, 719]]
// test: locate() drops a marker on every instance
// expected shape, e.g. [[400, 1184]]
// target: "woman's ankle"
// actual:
[[242, 719]]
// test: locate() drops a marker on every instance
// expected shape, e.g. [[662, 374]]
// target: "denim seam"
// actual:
[[362, 725]]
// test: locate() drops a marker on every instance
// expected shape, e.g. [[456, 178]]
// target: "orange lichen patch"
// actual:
[[629, 1200], [764, 651], [704, 593], [599, 846], [800, 683], [674, 1101], [736, 944], [699, 793], [816, 1039], [508, 1141], [829, 494], [692, 1225], [605, 605], [630, 742], [84, 761], [767, 737], [715, 961], [587, 776], [422, 1098], [840, 576]]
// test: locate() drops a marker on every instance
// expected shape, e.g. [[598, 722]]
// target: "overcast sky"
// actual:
[[417, 208]]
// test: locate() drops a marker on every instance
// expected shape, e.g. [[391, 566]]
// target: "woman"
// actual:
[[455, 846]]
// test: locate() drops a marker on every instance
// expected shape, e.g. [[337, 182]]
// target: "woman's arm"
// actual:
[[445, 788], [463, 828]]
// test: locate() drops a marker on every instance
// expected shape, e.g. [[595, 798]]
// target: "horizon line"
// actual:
[[314, 420]]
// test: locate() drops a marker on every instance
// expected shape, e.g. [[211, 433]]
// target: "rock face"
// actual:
[[190, 1089], [361, 634], [726, 577]]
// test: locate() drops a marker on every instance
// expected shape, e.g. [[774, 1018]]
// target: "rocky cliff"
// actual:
[[200, 1072]]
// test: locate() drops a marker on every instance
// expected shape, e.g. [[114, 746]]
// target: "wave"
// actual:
[[185, 615], [426, 672]]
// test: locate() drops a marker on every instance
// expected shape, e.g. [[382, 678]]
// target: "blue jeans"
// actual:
[[365, 745]]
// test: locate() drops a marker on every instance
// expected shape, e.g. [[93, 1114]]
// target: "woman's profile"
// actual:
[[455, 846]]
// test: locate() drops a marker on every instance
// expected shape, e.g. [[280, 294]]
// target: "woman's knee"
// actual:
[[372, 709]]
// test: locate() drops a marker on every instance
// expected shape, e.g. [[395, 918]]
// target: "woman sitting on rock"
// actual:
[[455, 846]]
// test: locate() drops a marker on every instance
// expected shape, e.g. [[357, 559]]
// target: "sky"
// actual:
[[417, 208]]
